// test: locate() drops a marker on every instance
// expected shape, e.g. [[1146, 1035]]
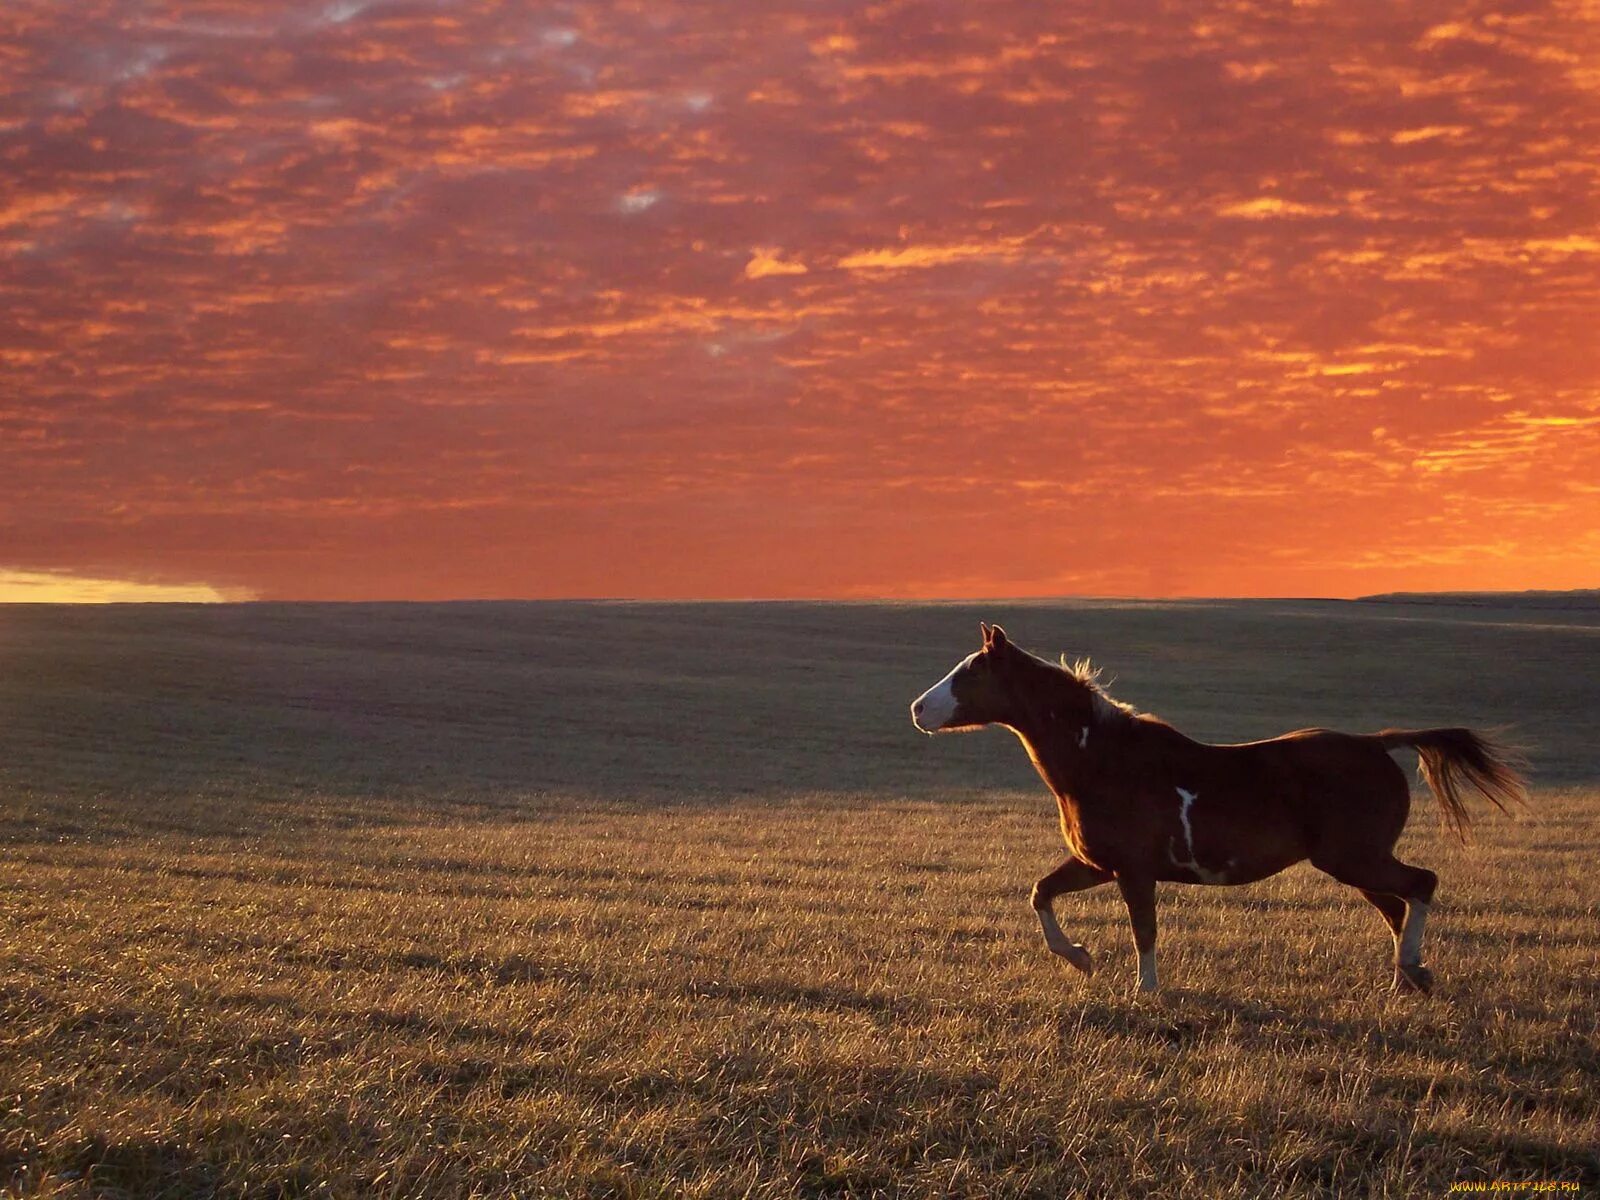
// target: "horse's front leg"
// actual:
[[1074, 875], [1139, 894]]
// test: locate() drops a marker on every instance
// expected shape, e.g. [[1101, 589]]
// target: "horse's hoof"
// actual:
[[1413, 978], [1076, 955]]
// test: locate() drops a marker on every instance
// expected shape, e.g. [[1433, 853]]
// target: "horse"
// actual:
[[1142, 804]]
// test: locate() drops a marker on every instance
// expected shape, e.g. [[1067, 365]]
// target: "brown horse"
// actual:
[[1141, 803]]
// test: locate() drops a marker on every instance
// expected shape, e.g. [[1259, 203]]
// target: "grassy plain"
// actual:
[[491, 900]]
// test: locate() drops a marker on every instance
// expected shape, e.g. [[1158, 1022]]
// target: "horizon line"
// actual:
[[1082, 598]]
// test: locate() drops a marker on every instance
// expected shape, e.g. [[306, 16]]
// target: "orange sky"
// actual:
[[436, 299]]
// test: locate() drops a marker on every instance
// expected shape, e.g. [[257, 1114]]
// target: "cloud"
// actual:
[[637, 200], [361, 299], [902, 258], [769, 260], [58, 587], [1263, 208]]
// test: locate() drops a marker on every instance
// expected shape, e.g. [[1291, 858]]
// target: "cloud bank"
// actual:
[[468, 299]]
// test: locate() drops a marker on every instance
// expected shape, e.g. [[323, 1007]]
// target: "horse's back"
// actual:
[[1335, 783], [1241, 812]]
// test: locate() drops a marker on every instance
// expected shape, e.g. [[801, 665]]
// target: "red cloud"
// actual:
[[412, 299]]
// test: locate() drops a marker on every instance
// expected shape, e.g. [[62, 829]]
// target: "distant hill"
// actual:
[[1576, 598]]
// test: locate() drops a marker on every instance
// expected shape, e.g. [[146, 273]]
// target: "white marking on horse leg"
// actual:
[[934, 707], [1147, 970], [1061, 945], [1053, 937], [1409, 973], [1410, 947]]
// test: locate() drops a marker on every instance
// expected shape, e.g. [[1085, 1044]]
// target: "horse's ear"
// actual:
[[983, 628], [995, 639]]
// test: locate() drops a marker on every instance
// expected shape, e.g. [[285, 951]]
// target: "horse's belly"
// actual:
[[1228, 864]]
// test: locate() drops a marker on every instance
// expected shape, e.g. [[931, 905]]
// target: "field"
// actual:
[[650, 900]]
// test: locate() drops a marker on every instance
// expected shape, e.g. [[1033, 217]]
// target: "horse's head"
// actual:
[[975, 693]]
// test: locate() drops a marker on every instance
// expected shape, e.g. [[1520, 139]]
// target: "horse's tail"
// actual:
[[1454, 759]]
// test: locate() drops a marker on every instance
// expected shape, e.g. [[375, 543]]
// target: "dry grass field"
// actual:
[[551, 900]]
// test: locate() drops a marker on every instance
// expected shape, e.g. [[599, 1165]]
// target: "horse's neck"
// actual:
[[1062, 752]]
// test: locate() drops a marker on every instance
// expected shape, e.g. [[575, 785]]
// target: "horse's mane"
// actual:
[[1106, 706]]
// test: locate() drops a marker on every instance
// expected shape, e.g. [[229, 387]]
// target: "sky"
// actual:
[[347, 299]]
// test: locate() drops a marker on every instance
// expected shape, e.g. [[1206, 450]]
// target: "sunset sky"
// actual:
[[435, 299]]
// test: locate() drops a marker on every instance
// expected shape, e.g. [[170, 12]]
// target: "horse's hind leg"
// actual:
[[1140, 896], [1074, 875], [1402, 893], [1393, 909], [1408, 969]]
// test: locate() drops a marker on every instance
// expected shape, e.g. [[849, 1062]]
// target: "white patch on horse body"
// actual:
[[1410, 952], [1083, 738], [1188, 799], [1191, 863], [934, 707]]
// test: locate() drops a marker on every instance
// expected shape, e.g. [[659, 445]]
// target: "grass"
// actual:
[[284, 970]]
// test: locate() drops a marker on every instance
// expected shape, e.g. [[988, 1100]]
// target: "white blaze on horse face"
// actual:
[[934, 708]]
